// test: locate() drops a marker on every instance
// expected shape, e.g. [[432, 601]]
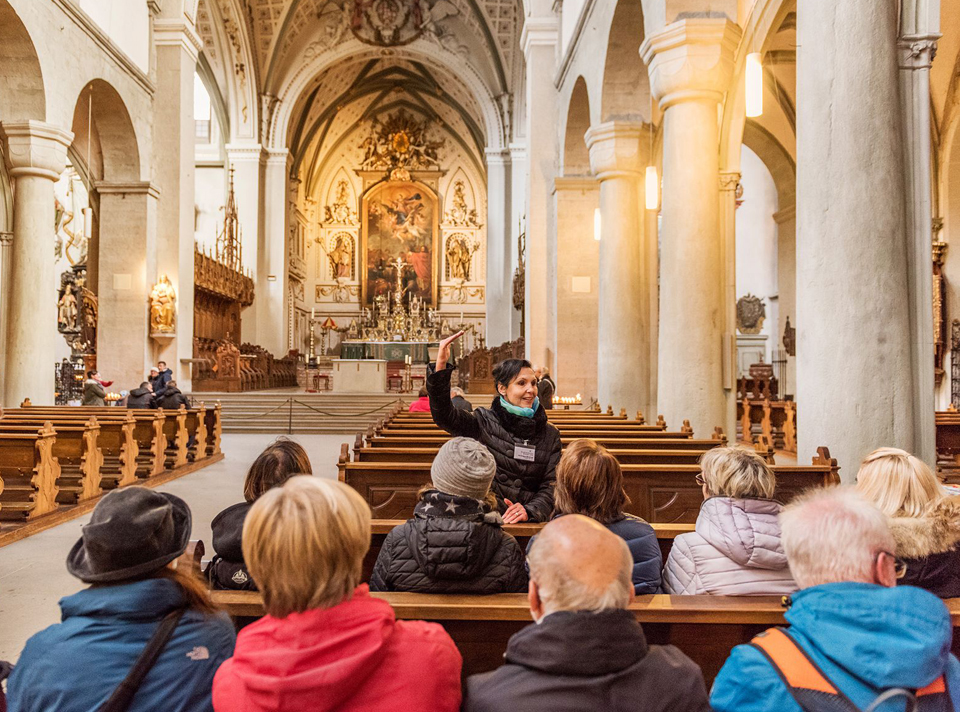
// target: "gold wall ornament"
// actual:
[[340, 212], [751, 312], [400, 144], [461, 215], [459, 252], [163, 308]]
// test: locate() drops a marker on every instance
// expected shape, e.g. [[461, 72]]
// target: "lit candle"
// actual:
[[313, 312]]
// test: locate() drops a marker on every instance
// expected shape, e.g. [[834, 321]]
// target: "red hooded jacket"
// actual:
[[421, 405], [354, 657]]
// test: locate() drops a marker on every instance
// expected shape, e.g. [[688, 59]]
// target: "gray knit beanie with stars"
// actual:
[[463, 467]]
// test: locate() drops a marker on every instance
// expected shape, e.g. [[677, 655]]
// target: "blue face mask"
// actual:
[[517, 410]]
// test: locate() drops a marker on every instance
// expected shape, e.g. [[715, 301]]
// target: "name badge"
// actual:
[[524, 453]]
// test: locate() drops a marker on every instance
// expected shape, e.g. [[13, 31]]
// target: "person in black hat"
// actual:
[[128, 553]]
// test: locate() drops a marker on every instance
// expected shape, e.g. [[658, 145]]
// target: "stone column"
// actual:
[[729, 180], [499, 292], [854, 383], [690, 63], [36, 155], [540, 37], [271, 301], [786, 219], [623, 336], [178, 46], [518, 205], [6, 245], [248, 162], [127, 222], [916, 56]]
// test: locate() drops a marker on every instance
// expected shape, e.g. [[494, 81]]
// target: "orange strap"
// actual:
[[937, 687], [794, 665]]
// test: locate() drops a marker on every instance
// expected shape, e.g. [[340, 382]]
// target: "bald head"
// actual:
[[577, 564]]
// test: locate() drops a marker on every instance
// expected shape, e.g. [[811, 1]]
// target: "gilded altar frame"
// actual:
[[370, 204]]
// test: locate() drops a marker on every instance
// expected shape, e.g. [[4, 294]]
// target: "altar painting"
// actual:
[[400, 221]]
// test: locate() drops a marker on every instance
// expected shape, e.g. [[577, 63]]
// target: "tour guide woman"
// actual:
[[515, 431]]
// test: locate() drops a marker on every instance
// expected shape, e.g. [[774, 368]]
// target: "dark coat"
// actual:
[[588, 661], [450, 546], [530, 483], [172, 399], [140, 398], [228, 570], [93, 393], [546, 390], [461, 403], [930, 547], [642, 542]]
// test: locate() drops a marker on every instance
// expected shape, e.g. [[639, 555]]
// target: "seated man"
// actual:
[[459, 400], [853, 635], [587, 651], [141, 397]]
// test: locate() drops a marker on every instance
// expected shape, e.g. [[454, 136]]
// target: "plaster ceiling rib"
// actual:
[[492, 44], [388, 79], [278, 29], [401, 104], [783, 98]]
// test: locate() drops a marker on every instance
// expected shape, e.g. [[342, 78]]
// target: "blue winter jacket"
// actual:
[[74, 666], [865, 638], [642, 541]]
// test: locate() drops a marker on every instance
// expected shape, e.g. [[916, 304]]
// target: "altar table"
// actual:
[[418, 351], [359, 375]]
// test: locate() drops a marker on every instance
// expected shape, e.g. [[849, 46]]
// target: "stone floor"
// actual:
[[33, 575]]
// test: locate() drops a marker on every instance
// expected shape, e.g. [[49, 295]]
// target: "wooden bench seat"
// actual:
[[29, 474], [658, 493], [624, 456]]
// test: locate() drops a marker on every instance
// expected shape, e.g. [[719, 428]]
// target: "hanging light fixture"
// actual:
[[88, 222], [652, 186], [597, 224], [754, 78]]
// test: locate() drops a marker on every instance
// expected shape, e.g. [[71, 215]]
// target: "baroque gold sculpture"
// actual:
[[163, 312]]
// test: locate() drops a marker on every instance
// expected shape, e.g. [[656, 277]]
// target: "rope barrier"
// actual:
[[290, 401]]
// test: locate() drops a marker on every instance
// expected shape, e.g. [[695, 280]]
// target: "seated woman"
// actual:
[[924, 521], [127, 553], [421, 404], [278, 463], [454, 543], [514, 429], [590, 482], [326, 643], [735, 549]]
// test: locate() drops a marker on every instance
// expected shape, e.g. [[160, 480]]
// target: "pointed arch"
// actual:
[[22, 95]]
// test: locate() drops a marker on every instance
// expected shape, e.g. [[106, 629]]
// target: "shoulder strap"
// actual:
[[122, 697]]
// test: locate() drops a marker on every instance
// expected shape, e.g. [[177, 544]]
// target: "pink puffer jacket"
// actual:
[[734, 551]]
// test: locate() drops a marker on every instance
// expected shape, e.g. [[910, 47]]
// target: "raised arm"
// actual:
[[458, 423]]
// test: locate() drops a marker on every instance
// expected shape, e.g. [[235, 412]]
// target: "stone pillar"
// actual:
[[786, 219], [36, 155], [271, 301], [854, 382], [690, 63], [127, 222], [916, 56], [518, 205], [623, 336], [540, 37], [729, 180], [178, 46], [248, 161], [6, 245], [499, 291]]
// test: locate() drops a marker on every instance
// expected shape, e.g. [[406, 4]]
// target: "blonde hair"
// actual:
[[900, 484], [590, 482], [832, 535], [304, 544], [737, 472]]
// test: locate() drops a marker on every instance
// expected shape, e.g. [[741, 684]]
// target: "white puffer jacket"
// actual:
[[734, 551]]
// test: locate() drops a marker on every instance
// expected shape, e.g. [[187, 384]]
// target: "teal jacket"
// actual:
[[865, 638]]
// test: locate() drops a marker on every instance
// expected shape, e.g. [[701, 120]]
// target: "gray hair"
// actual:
[[456, 391], [831, 535], [560, 590]]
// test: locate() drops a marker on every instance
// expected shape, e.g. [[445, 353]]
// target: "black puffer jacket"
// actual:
[[228, 570], [530, 483], [140, 398], [450, 546], [172, 399]]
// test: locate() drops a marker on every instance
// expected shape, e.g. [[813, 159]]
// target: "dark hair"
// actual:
[[282, 460], [422, 393], [163, 362], [145, 384], [590, 482], [505, 371], [171, 384], [91, 374]]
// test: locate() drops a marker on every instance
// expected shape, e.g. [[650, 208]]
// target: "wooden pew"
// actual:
[[633, 456], [612, 443], [147, 433], [379, 529], [658, 493], [29, 474], [76, 450], [115, 439], [214, 423]]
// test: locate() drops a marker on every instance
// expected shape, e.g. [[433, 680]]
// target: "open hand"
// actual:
[[516, 512], [444, 354]]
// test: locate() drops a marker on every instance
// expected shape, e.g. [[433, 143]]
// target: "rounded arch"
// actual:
[[108, 148], [281, 110], [626, 84], [777, 160], [22, 95], [576, 158]]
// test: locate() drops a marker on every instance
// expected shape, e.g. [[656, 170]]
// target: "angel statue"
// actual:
[[163, 307], [459, 256]]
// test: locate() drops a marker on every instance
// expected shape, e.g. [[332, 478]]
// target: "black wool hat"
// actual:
[[133, 532]]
